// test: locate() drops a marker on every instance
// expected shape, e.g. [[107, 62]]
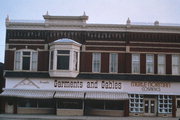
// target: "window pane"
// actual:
[[46, 104], [161, 64], [70, 104], [135, 63], [27, 103], [34, 60], [63, 62], [113, 62], [149, 64], [26, 63], [175, 64], [18, 60], [96, 62], [178, 103], [94, 104], [114, 105]]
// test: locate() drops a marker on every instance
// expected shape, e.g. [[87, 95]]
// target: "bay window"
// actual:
[[64, 58], [26, 60]]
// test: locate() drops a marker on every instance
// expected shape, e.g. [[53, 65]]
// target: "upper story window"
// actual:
[[63, 59], [135, 63], [96, 62], [26, 60], [149, 64], [113, 66], [175, 64], [161, 64]]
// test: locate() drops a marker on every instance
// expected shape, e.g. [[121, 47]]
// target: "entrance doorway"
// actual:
[[177, 107], [150, 107]]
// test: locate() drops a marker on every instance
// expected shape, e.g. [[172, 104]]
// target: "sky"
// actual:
[[99, 11]]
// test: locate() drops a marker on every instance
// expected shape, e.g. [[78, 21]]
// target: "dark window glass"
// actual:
[[46, 104], [27, 103], [63, 52], [26, 63], [26, 53], [63, 62], [178, 103], [114, 105], [70, 104], [94, 104]]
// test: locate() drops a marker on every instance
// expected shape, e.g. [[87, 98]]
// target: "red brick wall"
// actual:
[[105, 62], [128, 63], [143, 63], [168, 64], [121, 62], [9, 60], [43, 60], [86, 62]]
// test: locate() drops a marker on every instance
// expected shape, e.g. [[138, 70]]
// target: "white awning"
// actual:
[[38, 94], [107, 95], [69, 94]]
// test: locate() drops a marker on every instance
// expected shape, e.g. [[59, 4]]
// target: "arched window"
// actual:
[[26, 59]]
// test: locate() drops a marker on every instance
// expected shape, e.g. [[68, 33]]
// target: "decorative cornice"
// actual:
[[78, 23]]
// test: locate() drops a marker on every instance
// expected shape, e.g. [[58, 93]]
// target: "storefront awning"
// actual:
[[106, 96], [69, 94], [38, 94]]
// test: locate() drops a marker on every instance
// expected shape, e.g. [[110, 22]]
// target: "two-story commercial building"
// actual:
[[65, 66]]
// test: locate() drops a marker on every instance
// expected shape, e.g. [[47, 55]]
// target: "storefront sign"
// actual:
[[150, 86], [88, 84]]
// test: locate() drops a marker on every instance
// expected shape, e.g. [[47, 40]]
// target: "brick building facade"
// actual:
[[65, 66]]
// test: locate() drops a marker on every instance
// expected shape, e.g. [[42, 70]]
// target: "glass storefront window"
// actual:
[[27, 103], [105, 105], [36, 103], [164, 104], [46, 104], [136, 103], [70, 104]]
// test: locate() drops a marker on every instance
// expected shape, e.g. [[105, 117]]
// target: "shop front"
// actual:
[[79, 97]]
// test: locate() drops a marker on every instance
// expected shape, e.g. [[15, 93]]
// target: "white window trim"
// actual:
[[132, 64], [93, 63], [21, 55], [152, 63], [116, 69]]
